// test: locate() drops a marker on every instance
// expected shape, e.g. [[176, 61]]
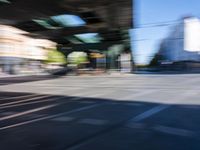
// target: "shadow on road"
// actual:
[[52, 122]]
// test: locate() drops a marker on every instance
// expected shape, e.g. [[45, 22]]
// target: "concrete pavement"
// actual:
[[103, 112]]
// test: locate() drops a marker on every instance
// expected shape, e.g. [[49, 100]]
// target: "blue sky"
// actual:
[[145, 41]]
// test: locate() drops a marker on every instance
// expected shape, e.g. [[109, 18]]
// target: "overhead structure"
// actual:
[[73, 24]]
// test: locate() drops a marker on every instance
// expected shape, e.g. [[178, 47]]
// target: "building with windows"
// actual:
[[18, 51]]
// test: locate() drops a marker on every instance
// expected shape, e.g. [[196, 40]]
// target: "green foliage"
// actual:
[[55, 56], [77, 58]]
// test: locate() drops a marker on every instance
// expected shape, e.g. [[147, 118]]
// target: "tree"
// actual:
[[54, 56]]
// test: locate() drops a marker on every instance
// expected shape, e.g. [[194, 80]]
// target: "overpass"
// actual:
[[66, 21]]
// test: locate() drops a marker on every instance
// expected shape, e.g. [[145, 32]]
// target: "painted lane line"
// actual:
[[153, 111], [28, 103], [149, 113], [16, 97], [133, 120], [27, 112], [50, 117], [26, 100], [52, 99], [174, 131]]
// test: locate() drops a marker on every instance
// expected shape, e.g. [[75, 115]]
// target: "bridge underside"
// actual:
[[108, 21]]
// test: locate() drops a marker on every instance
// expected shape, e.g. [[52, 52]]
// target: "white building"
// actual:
[[183, 43], [17, 50]]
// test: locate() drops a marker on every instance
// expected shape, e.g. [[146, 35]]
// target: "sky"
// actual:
[[146, 40]]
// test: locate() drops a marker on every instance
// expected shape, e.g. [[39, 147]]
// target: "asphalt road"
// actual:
[[119, 112]]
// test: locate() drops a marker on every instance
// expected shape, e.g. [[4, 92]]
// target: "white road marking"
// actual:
[[174, 131], [24, 96], [93, 121], [53, 99], [135, 119], [50, 117], [28, 103], [26, 100], [155, 110], [149, 113], [27, 112]]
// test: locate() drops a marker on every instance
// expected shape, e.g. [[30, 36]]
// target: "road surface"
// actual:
[[120, 112]]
